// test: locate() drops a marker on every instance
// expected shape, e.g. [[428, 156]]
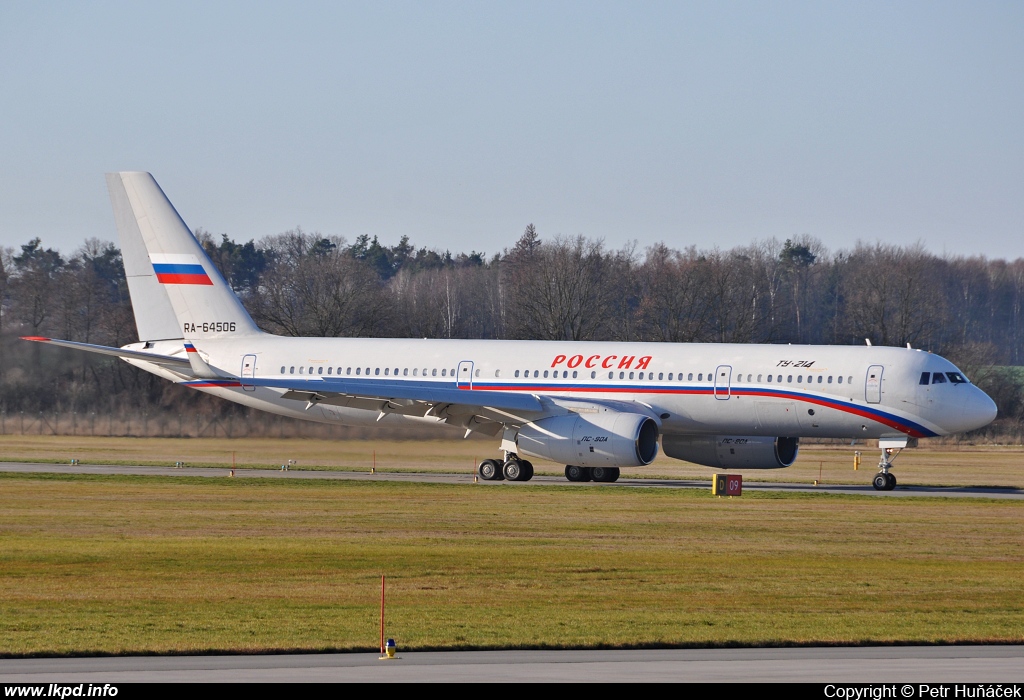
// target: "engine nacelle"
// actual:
[[605, 439], [732, 451]]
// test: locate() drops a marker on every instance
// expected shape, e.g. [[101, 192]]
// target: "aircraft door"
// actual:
[[248, 371], [464, 378], [723, 382], [873, 384]]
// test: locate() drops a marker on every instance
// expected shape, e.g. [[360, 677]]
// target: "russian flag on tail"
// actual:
[[179, 269]]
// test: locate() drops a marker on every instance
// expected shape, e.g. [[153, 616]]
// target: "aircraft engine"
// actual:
[[605, 439], [732, 451]]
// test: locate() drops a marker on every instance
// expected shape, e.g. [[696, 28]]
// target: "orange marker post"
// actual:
[[382, 650]]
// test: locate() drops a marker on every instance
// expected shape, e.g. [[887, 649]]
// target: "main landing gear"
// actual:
[[884, 480], [512, 469], [603, 474]]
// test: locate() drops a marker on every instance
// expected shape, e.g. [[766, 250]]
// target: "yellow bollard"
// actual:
[[856, 461]]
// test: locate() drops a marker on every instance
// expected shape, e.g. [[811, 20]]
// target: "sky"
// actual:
[[458, 123]]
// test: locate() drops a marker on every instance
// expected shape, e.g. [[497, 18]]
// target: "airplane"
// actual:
[[596, 407]]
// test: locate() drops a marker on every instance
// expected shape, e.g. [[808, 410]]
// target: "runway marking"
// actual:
[[930, 664], [442, 478]]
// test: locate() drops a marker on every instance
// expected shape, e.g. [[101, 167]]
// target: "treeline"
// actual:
[[970, 309]]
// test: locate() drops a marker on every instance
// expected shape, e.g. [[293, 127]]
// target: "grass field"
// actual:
[[930, 464], [138, 564]]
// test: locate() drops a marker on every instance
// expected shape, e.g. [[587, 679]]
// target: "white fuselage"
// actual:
[[696, 389]]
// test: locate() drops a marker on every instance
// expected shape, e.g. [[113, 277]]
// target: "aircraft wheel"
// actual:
[[880, 482], [605, 475], [891, 482], [574, 473], [513, 470], [527, 469], [490, 470]]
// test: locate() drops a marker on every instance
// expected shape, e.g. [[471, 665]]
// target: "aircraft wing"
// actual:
[[179, 364], [478, 410]]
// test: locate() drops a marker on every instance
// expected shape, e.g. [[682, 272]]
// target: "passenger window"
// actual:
[[478, 373], [849, 380], [622, 375], [376, 371], [661, 376], [799, 379], [925, 376], [497, 373], [830, 379], [451, 372], [330, 370], [574, 374], [433, 373], [956, 378], [405, 372], [348, 370], [386, 371], [359, 370], [282, 369], [545, 374], [630, 375], [565, 374], [938, 378], [444, 373], [292, 371], [689, 377], [415, 371], [759, 378], [700, 377], [319, 370], [789, 379], [611, 375], [840, 380], [517, 373], [641, 375], [302, 370], [311, 370]]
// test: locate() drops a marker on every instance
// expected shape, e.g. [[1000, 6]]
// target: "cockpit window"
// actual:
[[956, 377], [938, 378], [925, 378]]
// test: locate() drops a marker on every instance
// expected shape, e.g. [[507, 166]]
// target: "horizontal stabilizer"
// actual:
[[178, 364]]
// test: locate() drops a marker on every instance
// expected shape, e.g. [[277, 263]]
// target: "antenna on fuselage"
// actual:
[[868, 341]]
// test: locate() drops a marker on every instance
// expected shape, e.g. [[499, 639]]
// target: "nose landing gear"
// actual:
[[884, 480]]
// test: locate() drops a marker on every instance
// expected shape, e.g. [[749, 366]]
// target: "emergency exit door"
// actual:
[[723, 382]]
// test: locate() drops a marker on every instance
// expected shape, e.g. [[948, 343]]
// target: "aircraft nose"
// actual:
[[978, 410]]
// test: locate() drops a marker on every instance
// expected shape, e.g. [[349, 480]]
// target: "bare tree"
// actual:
[[558, 290], [894, 295]]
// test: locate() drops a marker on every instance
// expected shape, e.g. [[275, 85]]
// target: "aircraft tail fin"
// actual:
[[176, 291]]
